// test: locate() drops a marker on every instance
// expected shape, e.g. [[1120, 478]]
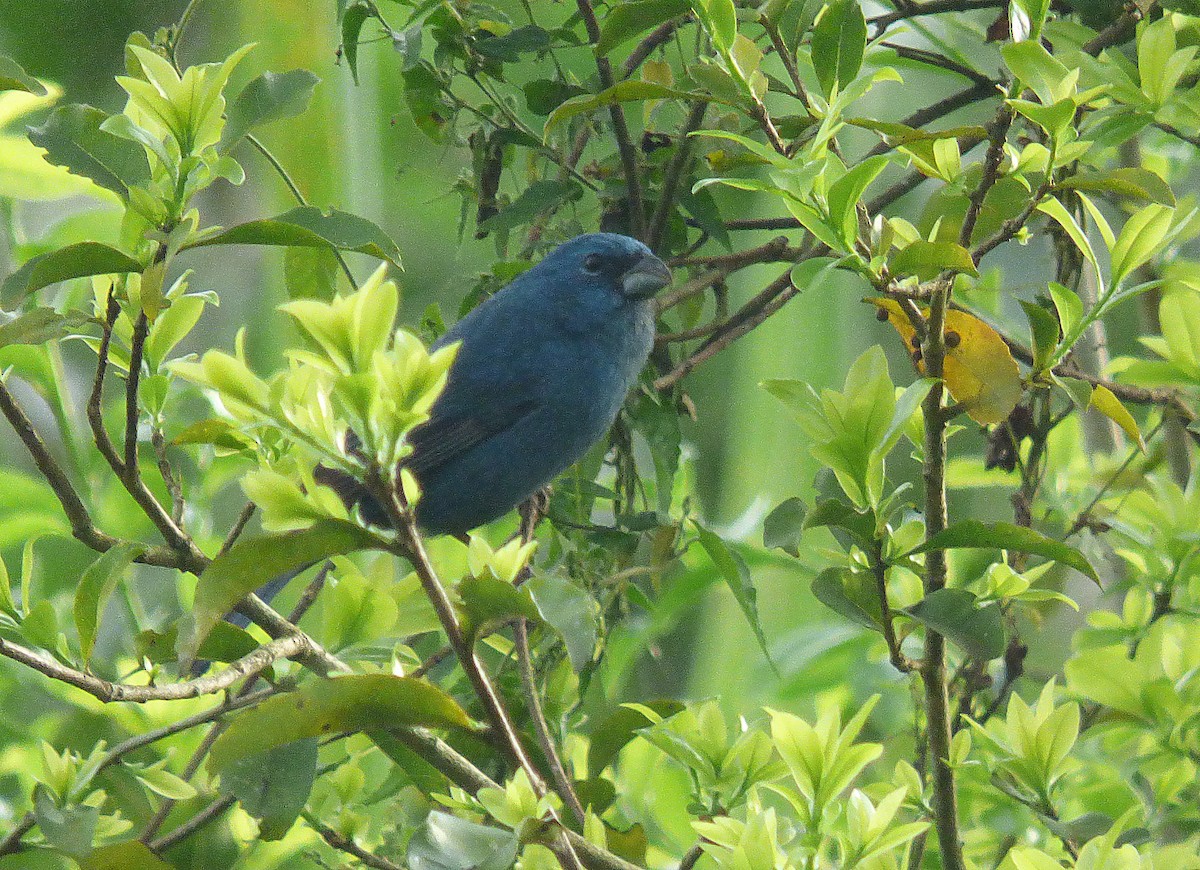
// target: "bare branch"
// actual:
[[562, 782], [629, 159], [262, 658], [345, 844]]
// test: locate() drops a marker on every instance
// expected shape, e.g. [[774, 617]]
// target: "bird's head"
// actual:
[[605, 267]]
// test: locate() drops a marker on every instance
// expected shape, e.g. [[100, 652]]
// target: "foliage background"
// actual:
[[357, 148]]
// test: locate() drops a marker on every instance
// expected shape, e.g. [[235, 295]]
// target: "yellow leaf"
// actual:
[[980, 372], [1110, 406]]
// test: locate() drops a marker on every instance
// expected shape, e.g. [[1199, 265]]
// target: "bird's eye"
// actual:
[[592, 263]]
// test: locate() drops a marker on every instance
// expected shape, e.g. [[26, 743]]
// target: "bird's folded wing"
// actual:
[[449, 434]]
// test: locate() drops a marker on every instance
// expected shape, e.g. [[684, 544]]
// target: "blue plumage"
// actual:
[[542, 369]]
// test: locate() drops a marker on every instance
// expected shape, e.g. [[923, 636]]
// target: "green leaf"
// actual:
[[39, 326], [1068, 305], [171, 327], [329, 706], [538, 198], [621, 726], [626, 20], [447, 842], [424, 775], [719, 18], [509, 47], [423, 93], [267, 98], [927, 260], [571, 611], [1129, 181], [79, 260], [253, 561], [352, 23], [1043, 327], [488, 601], [273, 786], [543, 96], [1104, 401], [1036, 67], [956, 614], [122, 856], [310, 227], [13, 78], [161, 781], [1056, 210], [829, 587], [847, 191], [784, 526], [838, 44], [95, 587], [1143, 236], [69, 829], [626, 91], [1006, 536], [737, 577], [73, 139], [310, 273], [839, 515]]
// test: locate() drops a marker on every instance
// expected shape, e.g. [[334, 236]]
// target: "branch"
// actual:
[[674, 174], [933, 667], [658, 36], [1120, 30], [562, 782], [754, 312], [460, 771], [77, 515], [629, 160], [899, 660], [126, 469], [933, 7], [930, 58], [413, 548], [944, 107], [991, 172], [345, 844], [292, 646], [208, 814]]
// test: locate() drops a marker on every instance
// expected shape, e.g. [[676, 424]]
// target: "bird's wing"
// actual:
[[450, 433]]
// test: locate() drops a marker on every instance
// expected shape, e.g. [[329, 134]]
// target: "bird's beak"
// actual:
[[645, 278]]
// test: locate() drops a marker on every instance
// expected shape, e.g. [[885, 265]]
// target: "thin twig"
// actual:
[[170, 481], [210, 813], [562, 782], [932, 7], [108, 692], [296, 194], [239, 526], [991, 172], [345, 844], [77, 514], [629, 159], [674, 174], [658, 36], [754, 312]]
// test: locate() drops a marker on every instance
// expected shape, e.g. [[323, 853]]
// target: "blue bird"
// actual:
[[542, 370]]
